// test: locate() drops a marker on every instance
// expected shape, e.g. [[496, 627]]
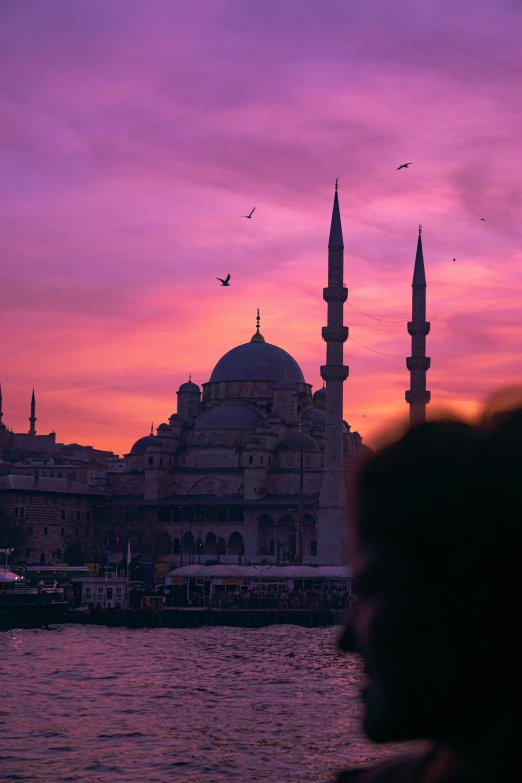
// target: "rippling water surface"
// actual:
[[87, 704]]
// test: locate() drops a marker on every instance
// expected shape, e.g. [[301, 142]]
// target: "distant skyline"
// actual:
[[135, 135]]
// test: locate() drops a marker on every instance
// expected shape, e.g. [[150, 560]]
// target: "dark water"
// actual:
[[87, 704]]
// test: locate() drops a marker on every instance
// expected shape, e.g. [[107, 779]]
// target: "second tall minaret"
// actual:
[[333, 523], [418, 363]]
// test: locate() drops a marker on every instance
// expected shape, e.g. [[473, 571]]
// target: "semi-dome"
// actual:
[[143, 443], [320, 394], [293, 443], [257, 361], [318, 417], [226, 417]]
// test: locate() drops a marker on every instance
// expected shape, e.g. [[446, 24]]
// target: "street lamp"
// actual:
[[181, 537]]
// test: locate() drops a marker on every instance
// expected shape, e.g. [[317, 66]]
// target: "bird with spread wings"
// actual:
[[248, 216], [225, 281]]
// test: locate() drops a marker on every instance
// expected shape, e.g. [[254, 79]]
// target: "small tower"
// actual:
[[333, 515], [189, 398], [418, 363], [32, 417]]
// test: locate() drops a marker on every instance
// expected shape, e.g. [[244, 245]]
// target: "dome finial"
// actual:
[[258, 337], [152, 428], [190, 377]]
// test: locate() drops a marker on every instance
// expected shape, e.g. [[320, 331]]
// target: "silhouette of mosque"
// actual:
[[252, 466]]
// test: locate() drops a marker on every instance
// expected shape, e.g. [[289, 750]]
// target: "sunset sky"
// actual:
[[134, 133]]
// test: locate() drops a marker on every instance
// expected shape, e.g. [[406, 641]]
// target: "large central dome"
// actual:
[[257, 361]]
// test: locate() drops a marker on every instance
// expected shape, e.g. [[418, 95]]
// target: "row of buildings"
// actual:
[[251, 467]]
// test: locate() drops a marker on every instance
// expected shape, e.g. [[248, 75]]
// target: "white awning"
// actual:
[[263, 572]]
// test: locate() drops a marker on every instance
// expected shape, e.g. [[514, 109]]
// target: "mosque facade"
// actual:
[[252, 466]]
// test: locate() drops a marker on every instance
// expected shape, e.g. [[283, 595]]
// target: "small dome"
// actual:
[[320, 394], [143, 443], [175, 417], [163, 427], [318, 417], [230, 417], [189, 387], [293, 443]]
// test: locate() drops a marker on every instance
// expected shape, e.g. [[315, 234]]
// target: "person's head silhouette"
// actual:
[[439, 585]]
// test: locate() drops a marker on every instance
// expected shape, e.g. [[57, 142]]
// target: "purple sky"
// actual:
[[133, 135]]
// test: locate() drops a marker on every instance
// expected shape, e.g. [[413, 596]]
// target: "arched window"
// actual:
[[162, 544], [309, 535], [176, 548], [307, 460], [210, 545], [235, 515], [286, 535], [265, 535], [235, 544]]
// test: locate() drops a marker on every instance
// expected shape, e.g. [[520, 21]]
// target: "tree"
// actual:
[[74, 555], [12, 535]]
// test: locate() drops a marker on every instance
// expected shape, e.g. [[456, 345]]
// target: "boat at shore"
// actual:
[[27, 607]]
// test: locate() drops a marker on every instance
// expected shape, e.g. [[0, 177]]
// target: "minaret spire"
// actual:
[[2, 425], [332, 543], [257, 337], [32, 417], [418, 363]]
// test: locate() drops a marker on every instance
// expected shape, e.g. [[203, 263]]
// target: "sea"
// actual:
[[85, 704]]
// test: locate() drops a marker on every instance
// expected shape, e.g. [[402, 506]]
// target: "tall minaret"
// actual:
[[32, 417], [332, 538], [418, 363]]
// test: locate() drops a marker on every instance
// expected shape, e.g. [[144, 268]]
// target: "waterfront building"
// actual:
[[108, 593], [50, 515]]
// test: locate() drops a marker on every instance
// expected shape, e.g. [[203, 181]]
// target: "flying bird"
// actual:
[[249, 216], [404, 165], [225, 281], [454, 259], [482, 218]]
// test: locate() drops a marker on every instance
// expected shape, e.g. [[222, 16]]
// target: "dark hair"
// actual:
[[445, 500]]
